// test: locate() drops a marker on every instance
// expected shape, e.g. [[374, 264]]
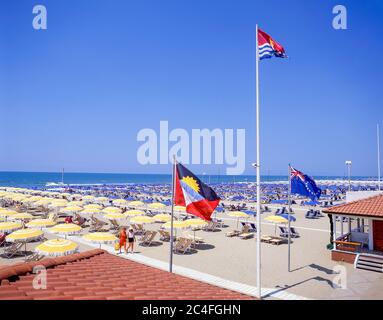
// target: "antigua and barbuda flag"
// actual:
[[190, 192], [268, 47], [303, 185]]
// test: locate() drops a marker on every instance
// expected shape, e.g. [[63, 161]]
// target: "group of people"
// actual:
[[127, 237]]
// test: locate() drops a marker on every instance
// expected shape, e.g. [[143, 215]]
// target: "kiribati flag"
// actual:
[[190, 192], [268, 47], [303, 185]]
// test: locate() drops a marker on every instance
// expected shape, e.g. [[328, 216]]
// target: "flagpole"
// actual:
[[258, 167], [378, 142], [172, 216], [289, 208]]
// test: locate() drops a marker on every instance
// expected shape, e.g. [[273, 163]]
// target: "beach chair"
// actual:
[[115, 225], [283, 232], [184, 245], [164, 235], [245, 234], [253, 227], [13, 250], [147, 238], [212, 225], [266, 238], [195, 239], [243, 224], [219, 222], [276, 241], [232, 233], [294, 233], [2, 239], [138, 228], [34, 257]]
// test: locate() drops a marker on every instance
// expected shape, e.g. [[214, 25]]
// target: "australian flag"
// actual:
[[303, 185], [190, 192]]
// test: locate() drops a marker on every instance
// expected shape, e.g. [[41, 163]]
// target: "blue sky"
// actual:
[[75, 95]]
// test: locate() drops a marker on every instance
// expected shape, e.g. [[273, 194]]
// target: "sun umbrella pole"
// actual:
[[289, 235], [172, 215]]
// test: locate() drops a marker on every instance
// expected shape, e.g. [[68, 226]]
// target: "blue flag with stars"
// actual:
[[303, 185]]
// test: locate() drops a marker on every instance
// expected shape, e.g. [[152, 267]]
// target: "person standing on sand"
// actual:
[[123, 239], [131, 239]]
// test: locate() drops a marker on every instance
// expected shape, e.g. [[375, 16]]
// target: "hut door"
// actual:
[[378, 235]]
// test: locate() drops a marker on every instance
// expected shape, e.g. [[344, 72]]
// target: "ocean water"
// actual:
[[41, 179]]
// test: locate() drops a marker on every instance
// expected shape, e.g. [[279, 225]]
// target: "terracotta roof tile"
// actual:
[[371, 207], [98, 275]]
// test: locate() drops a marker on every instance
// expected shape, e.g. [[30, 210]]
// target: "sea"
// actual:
[[41, 180]]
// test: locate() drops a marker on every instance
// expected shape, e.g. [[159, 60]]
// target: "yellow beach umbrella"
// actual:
[[66, 228], [87, 198], [162, 217], [114, 216], [21, 216], [34, 199], [88, 211], [57, 203], [156, 205], [133, 213], [71, 209], [93, 206], [41, 223], [24, 235], [43, 202], [100, 238], [142, 219], [9, 226], [120, 202], [57, 247], [136, 203], [176, 225], [7, 213], [101, 199], [75, 203], [238, 214], [111, 210], [196, 223], [276, 219]]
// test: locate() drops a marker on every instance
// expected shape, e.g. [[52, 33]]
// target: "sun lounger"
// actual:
[[115, 225], [147, 238], [34, 257], [276, 241], [253, 227], [164, 235], [194, 238], [183, 245], [211, 226], [233, 233], [13, 250], [266, 238]]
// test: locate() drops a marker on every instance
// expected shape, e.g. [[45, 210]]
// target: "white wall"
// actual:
[[357, 195]]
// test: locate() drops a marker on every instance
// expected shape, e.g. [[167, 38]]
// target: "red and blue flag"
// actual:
[[303, 185], [190, 192], [268, 47]]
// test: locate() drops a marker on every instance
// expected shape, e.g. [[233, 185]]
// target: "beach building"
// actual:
[[357, 231]]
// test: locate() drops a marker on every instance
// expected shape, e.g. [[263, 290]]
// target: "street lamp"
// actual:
[[348, 164]]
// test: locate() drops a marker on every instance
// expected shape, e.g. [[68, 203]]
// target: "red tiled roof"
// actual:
[[371, 207], [96, 274]]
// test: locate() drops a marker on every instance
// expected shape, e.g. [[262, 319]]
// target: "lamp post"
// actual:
[[348, 164]]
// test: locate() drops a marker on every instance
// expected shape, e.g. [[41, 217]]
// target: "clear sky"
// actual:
[[75, 95]]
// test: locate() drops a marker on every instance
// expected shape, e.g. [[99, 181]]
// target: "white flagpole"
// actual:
[[258, 168], [378, 142], [289, 208], [172, 216]]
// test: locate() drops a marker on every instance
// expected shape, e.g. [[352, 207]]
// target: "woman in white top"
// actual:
[[131, 239]]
